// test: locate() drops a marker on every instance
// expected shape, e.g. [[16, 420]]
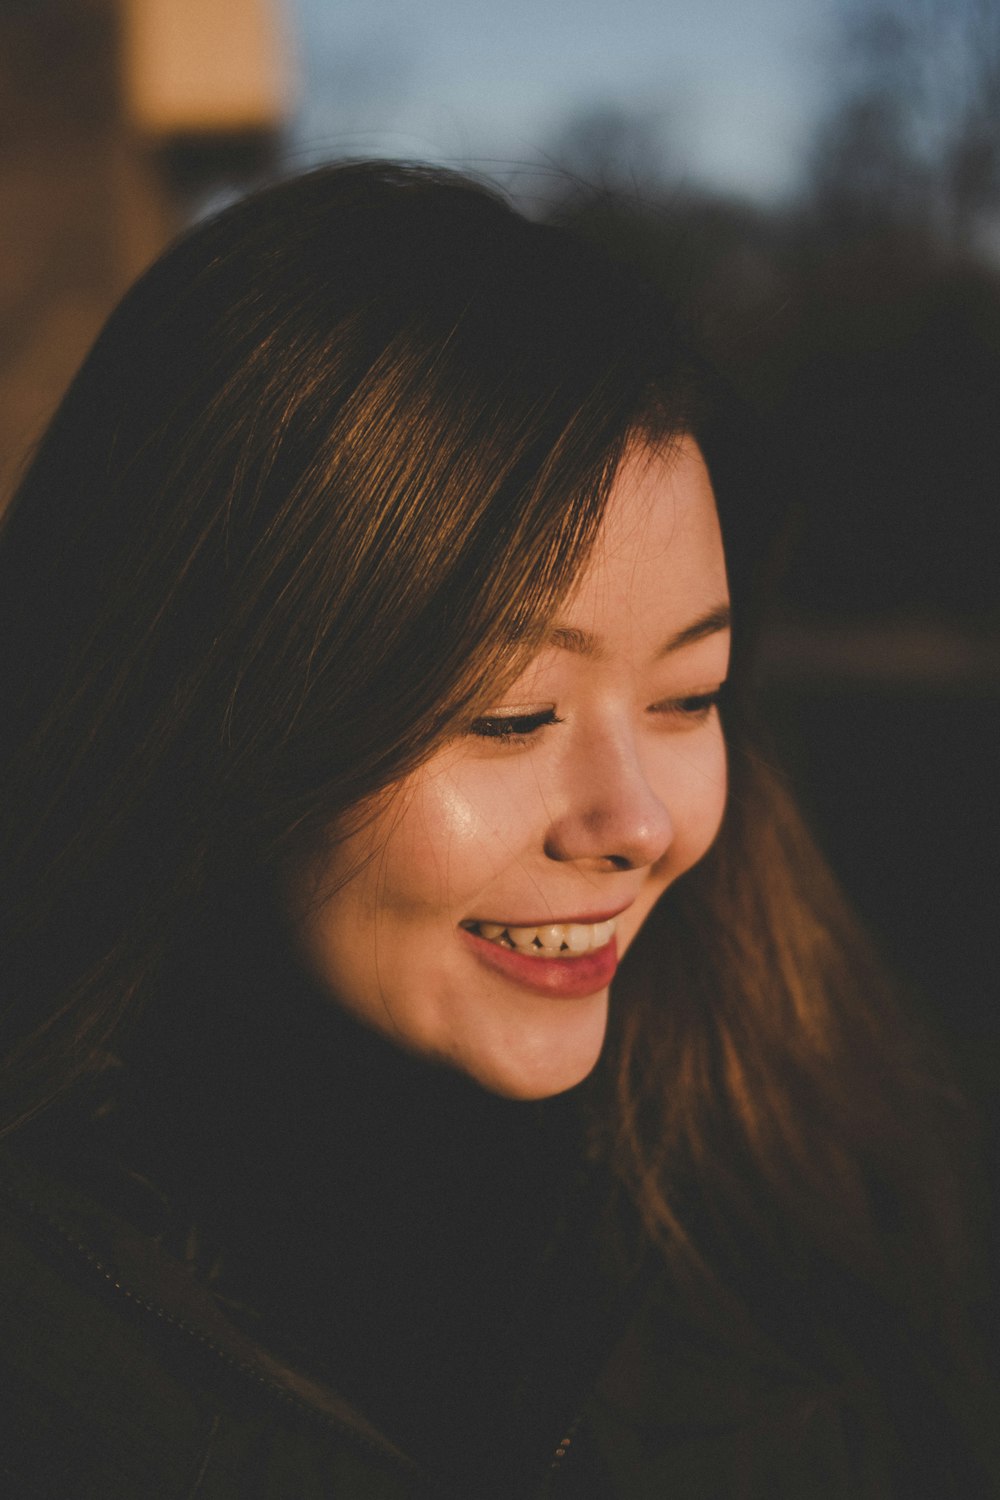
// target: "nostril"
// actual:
[[613, 817]]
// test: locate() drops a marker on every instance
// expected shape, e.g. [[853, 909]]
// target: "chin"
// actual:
[[538, 1063]]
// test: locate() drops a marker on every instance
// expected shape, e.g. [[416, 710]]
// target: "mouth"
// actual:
[[553, 940], [569, 959]]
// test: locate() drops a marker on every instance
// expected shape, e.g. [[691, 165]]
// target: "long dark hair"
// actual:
[[325, 476]]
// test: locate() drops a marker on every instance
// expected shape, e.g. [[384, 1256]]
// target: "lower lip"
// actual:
[[570, 978]]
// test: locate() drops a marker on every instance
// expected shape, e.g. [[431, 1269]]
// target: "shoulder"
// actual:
[[694, 1403], [683, 1409], [122, 1377]]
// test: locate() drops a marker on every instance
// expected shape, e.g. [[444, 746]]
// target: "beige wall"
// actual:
[[92, 99]]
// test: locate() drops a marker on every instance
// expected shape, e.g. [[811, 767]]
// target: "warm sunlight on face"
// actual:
[[511, 871]]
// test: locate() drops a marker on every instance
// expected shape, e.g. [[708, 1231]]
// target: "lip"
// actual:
[[587, 918], [571, 978]]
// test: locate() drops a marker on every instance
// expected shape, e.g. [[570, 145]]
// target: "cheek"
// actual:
[[697, 782], [450, 838], [710, 799]]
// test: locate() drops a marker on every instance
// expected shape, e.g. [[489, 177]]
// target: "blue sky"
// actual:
[[730, 87]]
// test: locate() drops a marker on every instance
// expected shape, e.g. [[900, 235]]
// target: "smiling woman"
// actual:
[[437, 1062], [515, 866]]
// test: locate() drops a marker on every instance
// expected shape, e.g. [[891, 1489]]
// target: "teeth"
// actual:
[[550, 939], [566, 938], [603, 932], [579, 939]]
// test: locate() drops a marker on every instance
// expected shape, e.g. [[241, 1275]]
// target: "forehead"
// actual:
[[658, 561]]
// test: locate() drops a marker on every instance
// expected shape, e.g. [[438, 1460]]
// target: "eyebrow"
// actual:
[[583, 643]]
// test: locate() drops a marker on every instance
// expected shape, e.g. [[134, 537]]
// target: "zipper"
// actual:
[[280, 1394], [257, 1378], [557, 1460]]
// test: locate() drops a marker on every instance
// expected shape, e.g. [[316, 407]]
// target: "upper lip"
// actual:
[[578, 919]]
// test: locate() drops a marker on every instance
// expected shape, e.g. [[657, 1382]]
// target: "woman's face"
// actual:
[[486, 905]]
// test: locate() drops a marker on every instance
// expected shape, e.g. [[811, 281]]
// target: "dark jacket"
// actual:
[[123, 1379], [463, 1267]]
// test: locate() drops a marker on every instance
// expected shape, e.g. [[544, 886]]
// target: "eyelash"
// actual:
[[513, 729], [517, 729], [695, 708]]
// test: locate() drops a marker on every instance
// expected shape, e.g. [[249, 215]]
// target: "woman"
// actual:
[[366, 621]]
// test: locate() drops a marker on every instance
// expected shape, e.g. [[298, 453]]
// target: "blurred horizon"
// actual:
[[723, 98]]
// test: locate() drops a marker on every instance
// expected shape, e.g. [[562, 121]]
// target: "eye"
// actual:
[[513, 728], [694, 709]]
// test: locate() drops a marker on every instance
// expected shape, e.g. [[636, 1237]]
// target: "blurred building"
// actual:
[[116, 118]]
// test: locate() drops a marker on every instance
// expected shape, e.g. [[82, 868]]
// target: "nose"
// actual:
[[610, 816]]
